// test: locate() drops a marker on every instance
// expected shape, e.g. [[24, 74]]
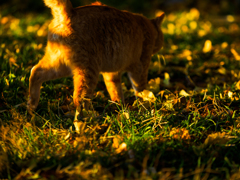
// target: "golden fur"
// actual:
[[94, 39]]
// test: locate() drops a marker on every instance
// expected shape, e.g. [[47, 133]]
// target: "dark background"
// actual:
[[146, 7]]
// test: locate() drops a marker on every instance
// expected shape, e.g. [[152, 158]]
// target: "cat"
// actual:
[[86, 41]]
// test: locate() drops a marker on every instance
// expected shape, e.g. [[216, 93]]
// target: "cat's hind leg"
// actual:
[[114, 87], [85, 81], [40, 73], [138, 76]]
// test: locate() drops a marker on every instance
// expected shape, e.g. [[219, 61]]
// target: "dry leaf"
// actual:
[[218, 138], [183, 93], [13, 61], [116, 141], [180, 133], [230, 94], [147, 95], [122, 148], [101, 129], [222, 70], [154, 85], [237, 86], [79, 126], [126, 114]]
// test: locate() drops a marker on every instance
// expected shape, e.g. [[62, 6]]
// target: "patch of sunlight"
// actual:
[[171, 28], [40, 46], [182, 20], [33, 28], [42, 31], [4, 20], [185, 29], [194, 14], [201, 33], [186, 54], [14, 24], [224, 45], [235, 54], [222, 29], [207, 46], [193, 25], [230, 18], [166, 80], [234, 28], [171, 17], [174, 47], [207, 26]]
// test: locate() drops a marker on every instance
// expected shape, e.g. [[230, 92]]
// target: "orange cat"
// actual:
[[94, 39]]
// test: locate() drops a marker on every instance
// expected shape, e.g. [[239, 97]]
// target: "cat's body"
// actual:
[[94, 39]]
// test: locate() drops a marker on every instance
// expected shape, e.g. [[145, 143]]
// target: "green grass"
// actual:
[[189, 131]]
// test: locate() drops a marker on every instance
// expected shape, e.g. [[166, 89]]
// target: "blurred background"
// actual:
[[145, 7]]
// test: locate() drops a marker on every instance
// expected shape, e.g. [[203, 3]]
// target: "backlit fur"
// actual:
[[86, 41]]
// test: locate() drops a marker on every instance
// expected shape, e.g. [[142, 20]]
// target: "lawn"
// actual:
[[185, 126]]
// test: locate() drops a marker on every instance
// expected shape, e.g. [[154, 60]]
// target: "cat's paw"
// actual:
[[30, 106]]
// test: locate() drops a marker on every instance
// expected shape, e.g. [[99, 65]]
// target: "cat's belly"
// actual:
[[116, 65]]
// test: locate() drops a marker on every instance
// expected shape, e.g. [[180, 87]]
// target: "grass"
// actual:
[[186, 126]]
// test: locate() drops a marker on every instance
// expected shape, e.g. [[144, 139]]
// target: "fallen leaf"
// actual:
[[154, 85], [13, 61], [116, 141], [218, 138], [180, 133], [122, 148], [183, 93], [237, 86], [79, 126], [147, 95]]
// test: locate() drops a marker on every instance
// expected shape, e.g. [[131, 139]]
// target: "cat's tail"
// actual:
[[61, 9]]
